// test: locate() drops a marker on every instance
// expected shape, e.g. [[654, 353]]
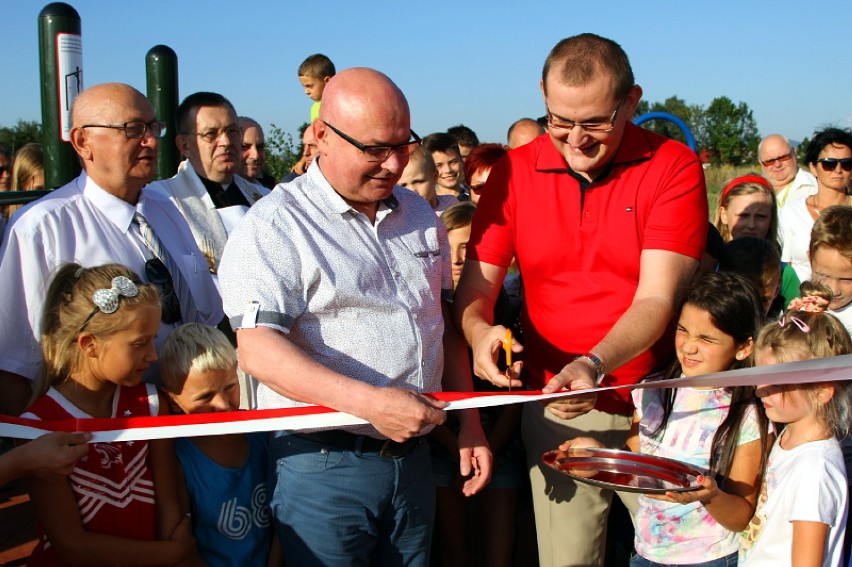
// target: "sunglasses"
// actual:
[[830, 164], [159, 275], [780, 159]]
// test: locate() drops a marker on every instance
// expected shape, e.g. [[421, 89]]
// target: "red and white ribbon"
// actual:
[[314, 417]]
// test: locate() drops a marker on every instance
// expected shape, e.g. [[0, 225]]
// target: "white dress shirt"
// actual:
[[80, 222]]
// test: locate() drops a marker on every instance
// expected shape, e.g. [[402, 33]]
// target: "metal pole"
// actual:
[[61, 66], [162, 83]]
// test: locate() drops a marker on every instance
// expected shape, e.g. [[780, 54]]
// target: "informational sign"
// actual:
[[69, 73]]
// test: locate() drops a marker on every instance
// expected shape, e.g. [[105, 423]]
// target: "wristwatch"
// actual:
[[596, 363]]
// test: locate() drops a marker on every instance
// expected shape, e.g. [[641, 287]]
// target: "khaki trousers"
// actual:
[[570, 517]]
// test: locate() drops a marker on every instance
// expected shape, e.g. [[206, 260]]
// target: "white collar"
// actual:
[[118, 211]]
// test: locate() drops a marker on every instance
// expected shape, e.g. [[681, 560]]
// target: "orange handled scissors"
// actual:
[[507, 348]]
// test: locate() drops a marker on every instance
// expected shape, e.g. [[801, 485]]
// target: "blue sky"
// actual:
[[475, 62]]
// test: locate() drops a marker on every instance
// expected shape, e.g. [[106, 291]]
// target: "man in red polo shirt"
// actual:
[[607, 221]]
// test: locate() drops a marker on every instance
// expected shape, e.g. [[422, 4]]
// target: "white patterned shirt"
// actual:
[[361, 299]]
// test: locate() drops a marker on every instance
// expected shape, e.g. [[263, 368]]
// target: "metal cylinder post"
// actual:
[[161, 71], [61, 67]]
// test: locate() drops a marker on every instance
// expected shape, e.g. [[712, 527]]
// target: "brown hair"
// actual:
[[833, 229], [68, 306], [459, 215], [317, 66], [581, 58]]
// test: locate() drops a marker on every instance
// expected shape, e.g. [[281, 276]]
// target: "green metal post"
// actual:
[[161, 71], [61, 65]]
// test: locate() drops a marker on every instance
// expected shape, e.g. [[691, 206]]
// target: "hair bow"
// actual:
[[810, 304], [107, 299]]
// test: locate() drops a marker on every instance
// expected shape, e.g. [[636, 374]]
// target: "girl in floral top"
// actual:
[[722, 431]]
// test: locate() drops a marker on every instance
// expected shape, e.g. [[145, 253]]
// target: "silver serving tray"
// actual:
[[624, 470]]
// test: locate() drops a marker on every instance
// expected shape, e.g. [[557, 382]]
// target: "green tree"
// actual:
[[23, 132], [730, 132], [800, 149], [281, 152]]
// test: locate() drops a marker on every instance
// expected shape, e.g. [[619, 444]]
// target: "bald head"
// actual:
[[118, 164], [523, 132], [777, 160], [96, 103], [365, 108], [773, 141], [360, 91]]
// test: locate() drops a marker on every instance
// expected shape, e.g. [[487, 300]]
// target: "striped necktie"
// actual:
[[189, 312]]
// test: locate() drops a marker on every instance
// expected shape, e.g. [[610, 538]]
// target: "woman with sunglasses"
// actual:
[[829, 156]]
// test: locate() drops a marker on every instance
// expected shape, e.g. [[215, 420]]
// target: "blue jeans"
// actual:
[[727, 561], [337, 507]]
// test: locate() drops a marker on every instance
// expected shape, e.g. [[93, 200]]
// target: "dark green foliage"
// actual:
[[22, 133], [727, 130], [730, 132], [281, 152]]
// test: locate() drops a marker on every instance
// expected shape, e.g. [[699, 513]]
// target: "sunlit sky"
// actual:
[[476, 62]]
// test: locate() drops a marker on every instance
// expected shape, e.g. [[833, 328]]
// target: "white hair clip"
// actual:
[[107, 299]]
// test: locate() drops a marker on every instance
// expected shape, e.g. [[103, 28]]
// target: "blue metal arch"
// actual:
[[687, 133]]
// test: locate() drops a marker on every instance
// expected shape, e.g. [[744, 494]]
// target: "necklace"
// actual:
[[819, 211]]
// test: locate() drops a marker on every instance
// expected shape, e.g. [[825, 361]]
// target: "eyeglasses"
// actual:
[[135, 129], [565, 124], [830, 164], [379, 153], [780, 159], [4, 169], [210, 136], [159, 275]]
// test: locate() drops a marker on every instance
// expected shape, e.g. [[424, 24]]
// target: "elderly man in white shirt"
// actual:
[[95, 219], [781, 167]]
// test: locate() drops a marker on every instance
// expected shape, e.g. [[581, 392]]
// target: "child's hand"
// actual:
[[581, 443], [709, 489], [574, 448]]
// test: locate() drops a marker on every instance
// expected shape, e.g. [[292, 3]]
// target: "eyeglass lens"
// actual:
[[232, 132], [138, 129], [779, 159]]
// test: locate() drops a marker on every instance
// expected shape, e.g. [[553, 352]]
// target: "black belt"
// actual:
[[386, 448]]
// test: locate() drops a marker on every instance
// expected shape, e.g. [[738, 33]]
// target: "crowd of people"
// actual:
[[385, 267]]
